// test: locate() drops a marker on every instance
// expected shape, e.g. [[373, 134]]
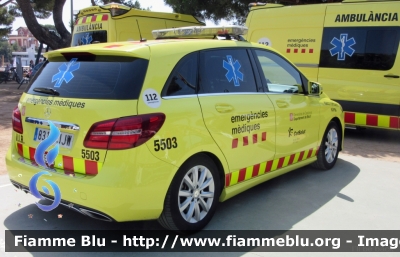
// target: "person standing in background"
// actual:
[[7, 69], [31, 64]]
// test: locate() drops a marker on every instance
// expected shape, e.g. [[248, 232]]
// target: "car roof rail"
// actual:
[[229, 32]]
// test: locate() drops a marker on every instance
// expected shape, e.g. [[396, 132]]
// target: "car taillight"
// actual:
[[17, 121], [124, 133]]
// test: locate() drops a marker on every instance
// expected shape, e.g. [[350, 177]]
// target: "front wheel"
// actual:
[[193, 196], [329, 149]]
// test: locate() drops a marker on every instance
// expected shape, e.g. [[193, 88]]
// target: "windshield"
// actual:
[[90, 37], [106, 77]]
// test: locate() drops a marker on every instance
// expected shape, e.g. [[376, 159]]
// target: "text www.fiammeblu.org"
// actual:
[[233, 241]]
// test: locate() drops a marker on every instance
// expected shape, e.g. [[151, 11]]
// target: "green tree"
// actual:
[[52, 28], [15, 47], [60, 37], [6, 18], [31, 10], [129, 3], [5, 50], [231, 10]]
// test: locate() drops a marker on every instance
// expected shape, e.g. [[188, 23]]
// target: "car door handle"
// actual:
[[392, 76], [223, 108], [282, 104]]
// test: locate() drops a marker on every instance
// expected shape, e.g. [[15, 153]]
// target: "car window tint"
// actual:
[[183, 79], [226, 71], [106, 77], [279, 75], [370, 48]]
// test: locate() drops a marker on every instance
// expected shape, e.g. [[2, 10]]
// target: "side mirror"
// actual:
[[314, 88]]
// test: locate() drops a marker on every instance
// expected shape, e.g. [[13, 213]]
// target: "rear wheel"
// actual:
[[329, 149], [193, 196]]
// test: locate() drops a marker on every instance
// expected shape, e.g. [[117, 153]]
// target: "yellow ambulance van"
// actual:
[[116, 22], [349, 47]]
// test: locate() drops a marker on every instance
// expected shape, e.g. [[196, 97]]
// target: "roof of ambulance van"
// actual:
[[258, 6]]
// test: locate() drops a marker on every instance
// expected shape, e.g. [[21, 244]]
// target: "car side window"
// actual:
[[279, 75], [183, 79], [369, 48], [226, 71]]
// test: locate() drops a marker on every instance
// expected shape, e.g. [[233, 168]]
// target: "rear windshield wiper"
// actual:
[[46, 90]]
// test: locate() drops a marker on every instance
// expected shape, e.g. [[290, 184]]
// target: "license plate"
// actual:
[[65, 140]]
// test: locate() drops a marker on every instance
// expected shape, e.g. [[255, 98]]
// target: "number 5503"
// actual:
[[162, 144]]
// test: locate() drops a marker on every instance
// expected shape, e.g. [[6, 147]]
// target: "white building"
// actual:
[[30, 54]]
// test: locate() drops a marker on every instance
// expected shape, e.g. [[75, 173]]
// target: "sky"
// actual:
[[155, 5]]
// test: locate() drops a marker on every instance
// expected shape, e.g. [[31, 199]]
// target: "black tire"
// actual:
[[196, 206], [329, 149]]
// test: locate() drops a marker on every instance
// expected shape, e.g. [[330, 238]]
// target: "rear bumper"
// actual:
[[131, 185], [81, 209]]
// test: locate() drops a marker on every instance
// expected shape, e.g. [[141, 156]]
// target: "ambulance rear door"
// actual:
[[92, 29]]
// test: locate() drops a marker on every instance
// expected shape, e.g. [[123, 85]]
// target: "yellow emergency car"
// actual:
[[166, 129], [350, 48], [117, 22]]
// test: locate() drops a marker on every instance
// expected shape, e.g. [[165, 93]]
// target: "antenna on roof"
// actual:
[[140, 34]]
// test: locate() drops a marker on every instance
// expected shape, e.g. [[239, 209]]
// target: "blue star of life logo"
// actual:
[[86, 39], [342, 47], [233, 70], [65, 72]]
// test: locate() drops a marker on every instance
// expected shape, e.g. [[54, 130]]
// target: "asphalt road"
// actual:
[[357, 194]]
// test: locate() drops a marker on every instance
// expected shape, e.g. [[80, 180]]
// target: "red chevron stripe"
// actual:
[[245, 140], [256, 169], [268, 166], [394, 122], [227, 179], [68, 163], [291, 159], [280, 163], [91, 167], [255, 139], [235, 143], [349, 117], [20, 149], [242, 175], [372, 120]]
